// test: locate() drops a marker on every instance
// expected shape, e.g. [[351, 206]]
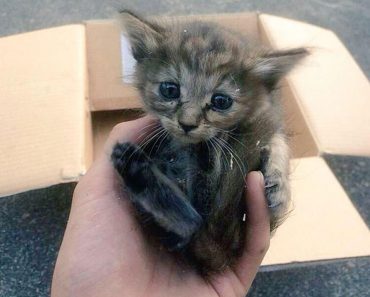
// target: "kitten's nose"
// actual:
[[187, 128]]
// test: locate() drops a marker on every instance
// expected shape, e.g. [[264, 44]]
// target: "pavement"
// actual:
[[32, 223]]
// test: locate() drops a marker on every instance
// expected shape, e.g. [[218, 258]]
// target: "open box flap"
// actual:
[[42, 108], [330, 88], [323, 224]]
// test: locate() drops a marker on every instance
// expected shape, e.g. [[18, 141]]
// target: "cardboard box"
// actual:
[[62, 91]]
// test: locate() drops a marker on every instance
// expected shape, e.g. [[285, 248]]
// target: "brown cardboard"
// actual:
[[61, 92], [323, 225], [43, 114], [106, 89], [104, 121], [332, 91]]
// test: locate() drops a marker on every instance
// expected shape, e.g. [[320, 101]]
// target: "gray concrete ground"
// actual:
[[32, 224]]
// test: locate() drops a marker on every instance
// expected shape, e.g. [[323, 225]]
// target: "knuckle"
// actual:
[[117, 130], [260, 250]]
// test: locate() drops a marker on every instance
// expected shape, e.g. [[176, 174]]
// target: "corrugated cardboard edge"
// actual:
[[88, 135]]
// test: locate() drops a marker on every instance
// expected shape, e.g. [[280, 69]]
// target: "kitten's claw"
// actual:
[[277, 190], [273, 184]]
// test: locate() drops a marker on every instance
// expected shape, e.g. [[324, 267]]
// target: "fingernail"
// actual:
[[262, 179]]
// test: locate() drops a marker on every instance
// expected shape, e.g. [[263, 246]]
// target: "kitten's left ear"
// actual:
[[272, 66], [145, 37]]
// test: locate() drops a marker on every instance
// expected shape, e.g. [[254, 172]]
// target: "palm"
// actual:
[[104, 252]]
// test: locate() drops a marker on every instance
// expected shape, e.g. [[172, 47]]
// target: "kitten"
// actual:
[[216, 100]]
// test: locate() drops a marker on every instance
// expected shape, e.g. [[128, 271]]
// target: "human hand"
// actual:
[[104, 253]]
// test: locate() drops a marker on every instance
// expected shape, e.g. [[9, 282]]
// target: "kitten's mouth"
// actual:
[[186, 138], [190, 137]]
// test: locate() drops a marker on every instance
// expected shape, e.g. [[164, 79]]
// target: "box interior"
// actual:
[[107, 92], [104, 121]]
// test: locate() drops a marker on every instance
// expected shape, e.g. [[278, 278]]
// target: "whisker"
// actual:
[[149, 137], [231, 149], [230, 131], [128, 159], [224, 161], [123, 153], [156, 133], [160, 134], [149, 126], [233, 154], [216, 151], [163, 139], [229, 134], [208, 149]]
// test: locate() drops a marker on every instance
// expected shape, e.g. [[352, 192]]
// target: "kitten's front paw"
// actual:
[[274, 190], [123, 154], [277, 188], [278, 195]]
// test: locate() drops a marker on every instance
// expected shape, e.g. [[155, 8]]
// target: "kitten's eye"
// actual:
[[221, 102], [169, 90]]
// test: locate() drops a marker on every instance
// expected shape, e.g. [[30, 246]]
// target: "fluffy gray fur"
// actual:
[[189, 184]]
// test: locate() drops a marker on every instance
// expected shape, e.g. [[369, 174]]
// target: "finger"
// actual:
[[102, 169], [258, 230], [131, 131]]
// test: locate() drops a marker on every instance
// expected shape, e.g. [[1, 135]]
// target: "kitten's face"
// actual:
[[193, 87], [199, 79]]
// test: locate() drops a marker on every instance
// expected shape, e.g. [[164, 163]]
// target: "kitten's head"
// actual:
[[200, 79]]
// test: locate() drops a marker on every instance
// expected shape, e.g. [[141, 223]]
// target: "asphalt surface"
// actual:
[[32, 223]]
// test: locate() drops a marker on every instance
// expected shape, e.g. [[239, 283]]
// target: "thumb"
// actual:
[[101, 176], [258, 230], [131, 131]]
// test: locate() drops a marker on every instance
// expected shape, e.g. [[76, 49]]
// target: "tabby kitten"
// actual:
[[215, 97]]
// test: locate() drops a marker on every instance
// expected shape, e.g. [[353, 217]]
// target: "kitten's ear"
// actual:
[[272, 66], [145, 37]]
